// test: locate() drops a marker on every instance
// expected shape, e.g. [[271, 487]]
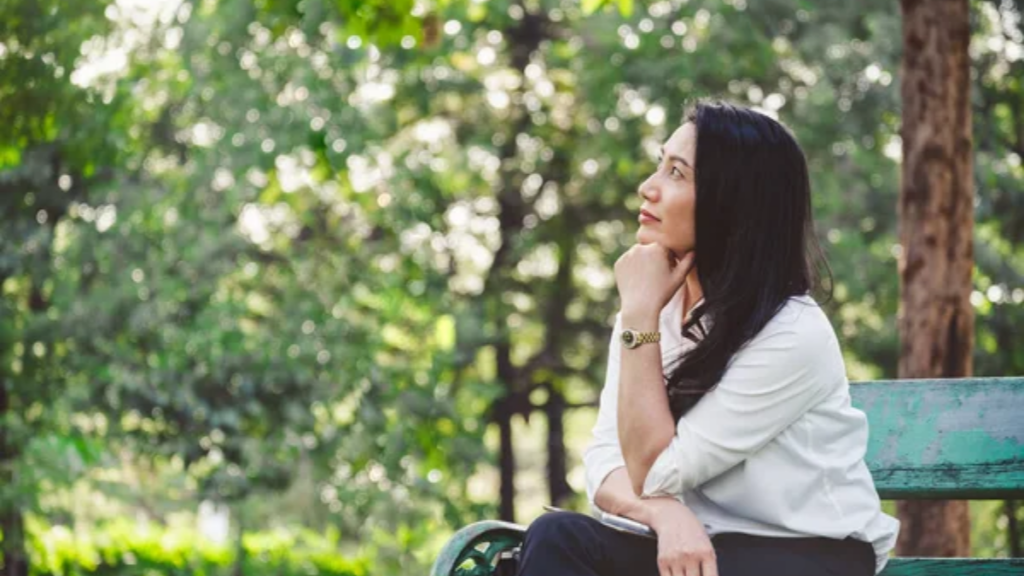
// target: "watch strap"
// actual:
[[648, 337], [633, 338]]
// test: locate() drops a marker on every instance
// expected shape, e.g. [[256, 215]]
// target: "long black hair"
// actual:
[[755, 241]]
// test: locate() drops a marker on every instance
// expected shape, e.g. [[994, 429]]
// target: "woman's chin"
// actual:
[[644, 236]]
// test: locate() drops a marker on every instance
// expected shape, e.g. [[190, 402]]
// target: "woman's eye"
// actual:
[[677, 173]]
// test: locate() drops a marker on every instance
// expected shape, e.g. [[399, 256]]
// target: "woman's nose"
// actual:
[[645, 190]]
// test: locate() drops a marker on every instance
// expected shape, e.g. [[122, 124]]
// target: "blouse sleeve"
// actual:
[[772, 381]]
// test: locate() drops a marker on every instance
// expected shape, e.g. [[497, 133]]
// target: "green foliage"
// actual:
[[123, 548]]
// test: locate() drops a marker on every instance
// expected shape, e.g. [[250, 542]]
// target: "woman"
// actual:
[[725, 421]]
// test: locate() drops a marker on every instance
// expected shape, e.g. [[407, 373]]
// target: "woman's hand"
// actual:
[[648, 275], [684, 548]]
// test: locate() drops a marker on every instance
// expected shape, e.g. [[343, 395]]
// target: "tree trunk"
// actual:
[[239, 569], [12, 526], [558, 487], [506, 461], [14, 561], [1013, 535], [936, 319], [555, 332]]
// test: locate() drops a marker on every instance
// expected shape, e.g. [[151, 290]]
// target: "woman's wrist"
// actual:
[[654, 510], [642, 319]]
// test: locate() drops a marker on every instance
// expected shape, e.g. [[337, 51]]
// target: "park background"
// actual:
[[302, 286]]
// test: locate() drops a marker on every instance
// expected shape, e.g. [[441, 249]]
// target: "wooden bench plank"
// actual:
[[945, 438], [954, 567]]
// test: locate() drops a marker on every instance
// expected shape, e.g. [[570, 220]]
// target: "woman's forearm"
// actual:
[[644, 418], [616, 496]]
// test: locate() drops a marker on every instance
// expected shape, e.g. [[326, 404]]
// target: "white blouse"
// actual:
[[775, 449]]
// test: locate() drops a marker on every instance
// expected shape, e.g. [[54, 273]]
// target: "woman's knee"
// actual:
[[571, 544], [560, 542], [566, 531]]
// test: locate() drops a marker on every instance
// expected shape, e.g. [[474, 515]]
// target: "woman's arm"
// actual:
[[616, 497], [645, 422]]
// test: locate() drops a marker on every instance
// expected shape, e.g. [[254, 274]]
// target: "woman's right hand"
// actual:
[[684, 548]]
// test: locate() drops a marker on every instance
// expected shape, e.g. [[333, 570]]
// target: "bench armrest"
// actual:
[[473, 550]]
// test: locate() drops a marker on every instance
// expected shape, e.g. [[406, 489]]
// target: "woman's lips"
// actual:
[[646, 216]]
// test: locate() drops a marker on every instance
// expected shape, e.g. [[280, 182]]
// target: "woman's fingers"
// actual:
[[664, 568], [671, 567], [687, 566], [709, 567]]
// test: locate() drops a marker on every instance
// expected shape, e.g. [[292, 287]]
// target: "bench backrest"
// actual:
[[952, 438]]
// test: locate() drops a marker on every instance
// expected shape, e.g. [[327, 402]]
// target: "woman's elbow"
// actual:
[[638, 487], [640, 461], [638, 471]]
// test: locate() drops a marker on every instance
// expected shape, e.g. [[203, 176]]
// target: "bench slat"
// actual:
[[957, 438], [954, 567]]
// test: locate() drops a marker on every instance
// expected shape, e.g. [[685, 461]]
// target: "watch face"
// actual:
[[628, 338]]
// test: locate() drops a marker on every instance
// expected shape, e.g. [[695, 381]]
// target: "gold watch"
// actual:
[[632, 338]]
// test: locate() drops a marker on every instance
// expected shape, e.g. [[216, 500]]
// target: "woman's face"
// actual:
[[669, 195]]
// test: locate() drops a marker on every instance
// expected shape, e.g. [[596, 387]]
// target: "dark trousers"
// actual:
[[569, 544]]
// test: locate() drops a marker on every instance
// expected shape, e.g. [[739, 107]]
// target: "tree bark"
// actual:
[[14, 562], [1013, 535], [506, 461], [936, 320], [555, 332], [239, 568], [11, 523], [558, 488]]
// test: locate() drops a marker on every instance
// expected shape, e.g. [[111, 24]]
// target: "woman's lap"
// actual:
[[742, 554], [569, 544]]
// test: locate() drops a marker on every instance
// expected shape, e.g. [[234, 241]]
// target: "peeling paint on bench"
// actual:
[[951, 438]]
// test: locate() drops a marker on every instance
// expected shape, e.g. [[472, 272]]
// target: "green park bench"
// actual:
[[929, 439]]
